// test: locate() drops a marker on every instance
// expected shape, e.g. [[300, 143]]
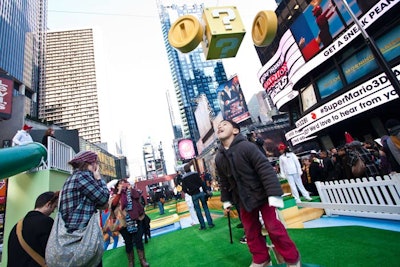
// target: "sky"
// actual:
[[133, 72]]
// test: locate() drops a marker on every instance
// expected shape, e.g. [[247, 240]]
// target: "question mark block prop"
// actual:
[[224, 32]]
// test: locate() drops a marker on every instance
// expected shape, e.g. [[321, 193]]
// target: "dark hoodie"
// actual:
[[246, 176]]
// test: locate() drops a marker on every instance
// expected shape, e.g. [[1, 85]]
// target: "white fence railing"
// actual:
[[58, 155], [377, 197]]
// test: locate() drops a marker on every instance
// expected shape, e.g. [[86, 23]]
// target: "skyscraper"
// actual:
[[192, 74], [70, 96], [22, 39]]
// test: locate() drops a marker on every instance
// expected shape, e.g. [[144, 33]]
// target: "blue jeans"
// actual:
[[161, 207], [196, 203], [108, 241]]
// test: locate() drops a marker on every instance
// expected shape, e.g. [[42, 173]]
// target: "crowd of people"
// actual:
[[247, 181], [378, 157], [37, 239]]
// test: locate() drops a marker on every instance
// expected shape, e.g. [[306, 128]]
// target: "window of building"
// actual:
[[329, 84], [308, 97]]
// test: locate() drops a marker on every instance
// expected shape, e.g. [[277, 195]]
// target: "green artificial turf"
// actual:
[[328, 247]]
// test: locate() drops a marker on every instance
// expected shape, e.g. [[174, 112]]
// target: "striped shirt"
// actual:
[[81, 195]]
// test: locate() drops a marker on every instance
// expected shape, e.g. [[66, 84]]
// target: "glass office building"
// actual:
[[192, 74], [22, 43]]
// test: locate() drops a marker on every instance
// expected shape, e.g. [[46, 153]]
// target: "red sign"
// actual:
[[186, 149], [6, 88]]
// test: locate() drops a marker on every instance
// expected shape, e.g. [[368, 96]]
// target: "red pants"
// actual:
[[276, 231]]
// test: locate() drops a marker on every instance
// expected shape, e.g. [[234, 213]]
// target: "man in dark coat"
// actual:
[[194, 186], [248, 178], [35, 230]]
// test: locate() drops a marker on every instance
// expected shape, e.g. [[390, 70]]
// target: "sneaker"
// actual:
[[308, 198], [264, 231], [211, 225], [264, 264], [243, 240], [202, 228]]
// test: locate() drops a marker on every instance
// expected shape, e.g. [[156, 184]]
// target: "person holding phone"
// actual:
[[126, 206]]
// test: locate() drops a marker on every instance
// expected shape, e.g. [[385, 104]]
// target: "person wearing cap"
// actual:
[[36, 227], [84, 192], [291, 169], [321, 18], [249, 180], [391, 144], [22, 137]]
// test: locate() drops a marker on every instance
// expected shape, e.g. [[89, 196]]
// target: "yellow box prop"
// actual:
[[224, 32]]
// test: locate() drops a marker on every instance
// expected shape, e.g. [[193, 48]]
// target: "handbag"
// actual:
[[113, 224], [83, 247], [358, 169], [31, 252]]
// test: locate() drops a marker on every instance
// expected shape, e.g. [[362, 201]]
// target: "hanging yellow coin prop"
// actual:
[[186, 33], [265, 25]]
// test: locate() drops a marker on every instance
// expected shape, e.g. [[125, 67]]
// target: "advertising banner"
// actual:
[[3, 191], [372, 93], [348, 35], [232, 102], [276, 74], [316, 35], [203, 119], [6, 89]]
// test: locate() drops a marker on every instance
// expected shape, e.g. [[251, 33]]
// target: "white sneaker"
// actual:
[[298, 201], [308, 198], [264, 264]]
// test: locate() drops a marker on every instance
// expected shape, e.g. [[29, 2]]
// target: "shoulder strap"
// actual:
[[38, 258]]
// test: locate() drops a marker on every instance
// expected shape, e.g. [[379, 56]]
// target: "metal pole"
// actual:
[[230, 227], [377, 53]]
